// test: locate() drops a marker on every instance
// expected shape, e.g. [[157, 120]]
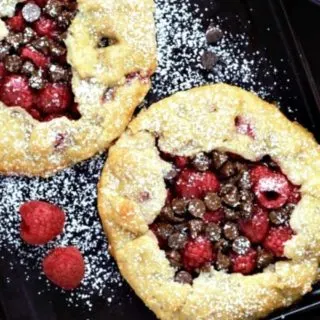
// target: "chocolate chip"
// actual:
[[57, 50], [212, 201], [228, 170], [28, 68], [103, 42], [246, 209], [209, 60], [37, 80], [201, 162], [241, 245], [244, 181], [196, 228], [15, 40], [177, 240], [223, 262], [28, 35], [4, 49], [53, 8], [164, 230], [58, 73], [264, 259], [42, 44], [183, 277], [174, 258], [167, 214], [13, 63], [213, 232], [182, 227], [31, 12], [179, 206], [171, 174], [246, 195], [230, 231], [230, 195], [279, 217], [222, 245], [218, 159], [205, 267], [213, 34], [231, 214], [197, 208], [64, 19]]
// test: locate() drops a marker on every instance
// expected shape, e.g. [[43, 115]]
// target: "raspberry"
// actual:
[[45, 27], [16, 23], [64, 267], [181, 162], [197, 252], [35, 56], [258, 172], [54, 98], [276, 240], [2, 71], [35, 114], [15, 91], [244, 264], [272, 190], [193, 184], [41, 222], [41, 3], [294, 195], [256, 228], [244, 126], [214, 216]]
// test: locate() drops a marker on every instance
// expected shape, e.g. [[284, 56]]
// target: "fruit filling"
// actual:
[[226, 213], [34, 73]]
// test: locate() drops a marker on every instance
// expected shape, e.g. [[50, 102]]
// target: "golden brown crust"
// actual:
[[27, 146], [187, 123]]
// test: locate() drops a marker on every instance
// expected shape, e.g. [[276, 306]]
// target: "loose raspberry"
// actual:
[[45, 27], [256, 228], [197, 252], [244, 264], [258, 172], [272, 190], [193, 184], [64, 267], [16, 23], [35, 56], [214, 216], [181, 162], [15, 91], [276, 240], [41, 222], [244, 126], [294, 195], [54, 98]]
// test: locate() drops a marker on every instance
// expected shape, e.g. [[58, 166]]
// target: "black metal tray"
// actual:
[[268, 30]]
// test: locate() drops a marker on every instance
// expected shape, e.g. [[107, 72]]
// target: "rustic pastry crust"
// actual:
[[187, 123], [27, 146]]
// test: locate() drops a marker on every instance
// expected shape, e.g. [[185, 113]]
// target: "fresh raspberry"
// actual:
[[15, 91], [197, 252], [2, 70], [193, 184], [64, 267], [45, 27], [214, 216], [244, 264], [244, 126], [276, 240], [258, 172], [35, 56], [54, 98], [256, 228], [294, 195], [272, 191], [181, 162], [41, 222], [16, 23], [35, 114]]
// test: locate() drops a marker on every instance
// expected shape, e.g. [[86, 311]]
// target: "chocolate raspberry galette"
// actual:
[[211, 204], [71, 74]]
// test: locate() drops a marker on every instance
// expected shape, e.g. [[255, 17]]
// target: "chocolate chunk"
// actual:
[[15, 40], [230, 231], [57, 50], [177, 240], [13, 63], [174, 258], [218, 159], [230, 195], [205, 267], [53, 8], [167, 214], [241, 245], [31, 12], [228, 170], [223, 262], [58, 73], [164, 230], [64, 19], [222, 245], [246, 209], [201, 162], [212, 201], [28, 68], [264, 259], [103, 42], [231, 214], [183, 277], [196, 227], [213, 34], [197, 208], [244, 181], [179, 206], [279, 217], [37, 80], [4, 49], [42, 44], [182, 227], [209, 60], [28, 35], [213, 232]]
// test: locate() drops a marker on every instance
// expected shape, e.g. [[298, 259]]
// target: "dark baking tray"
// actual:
[[19, 299]]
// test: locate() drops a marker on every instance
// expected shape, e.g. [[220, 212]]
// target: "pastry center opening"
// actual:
[[226, 213], [34, 72]]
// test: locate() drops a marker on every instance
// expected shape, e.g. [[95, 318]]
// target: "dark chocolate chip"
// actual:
[[246, 209], [231, 214], [241, 245], [167, 214], [213, 34], [223, 262], [179, 206], [37, 80], [28, 68], [230, 195], [279, 217], [28, 35], [205, 267], [64, 19], [53, 8], [228, 170], [201, 162], [264, 259], [213, 232], [31, 12], [196, 208], [196, 227], [212, 201], [57, 50], [15, 40], [4, 49], [244, 181], [174, 258], [42, 44], [171, 174], [209, 60], [58, 73], [230, 231], [177, 240], [246, 195], [164, 230], [222, 245], [13, 63], [218, 159], [183, 277], [182, 227]]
